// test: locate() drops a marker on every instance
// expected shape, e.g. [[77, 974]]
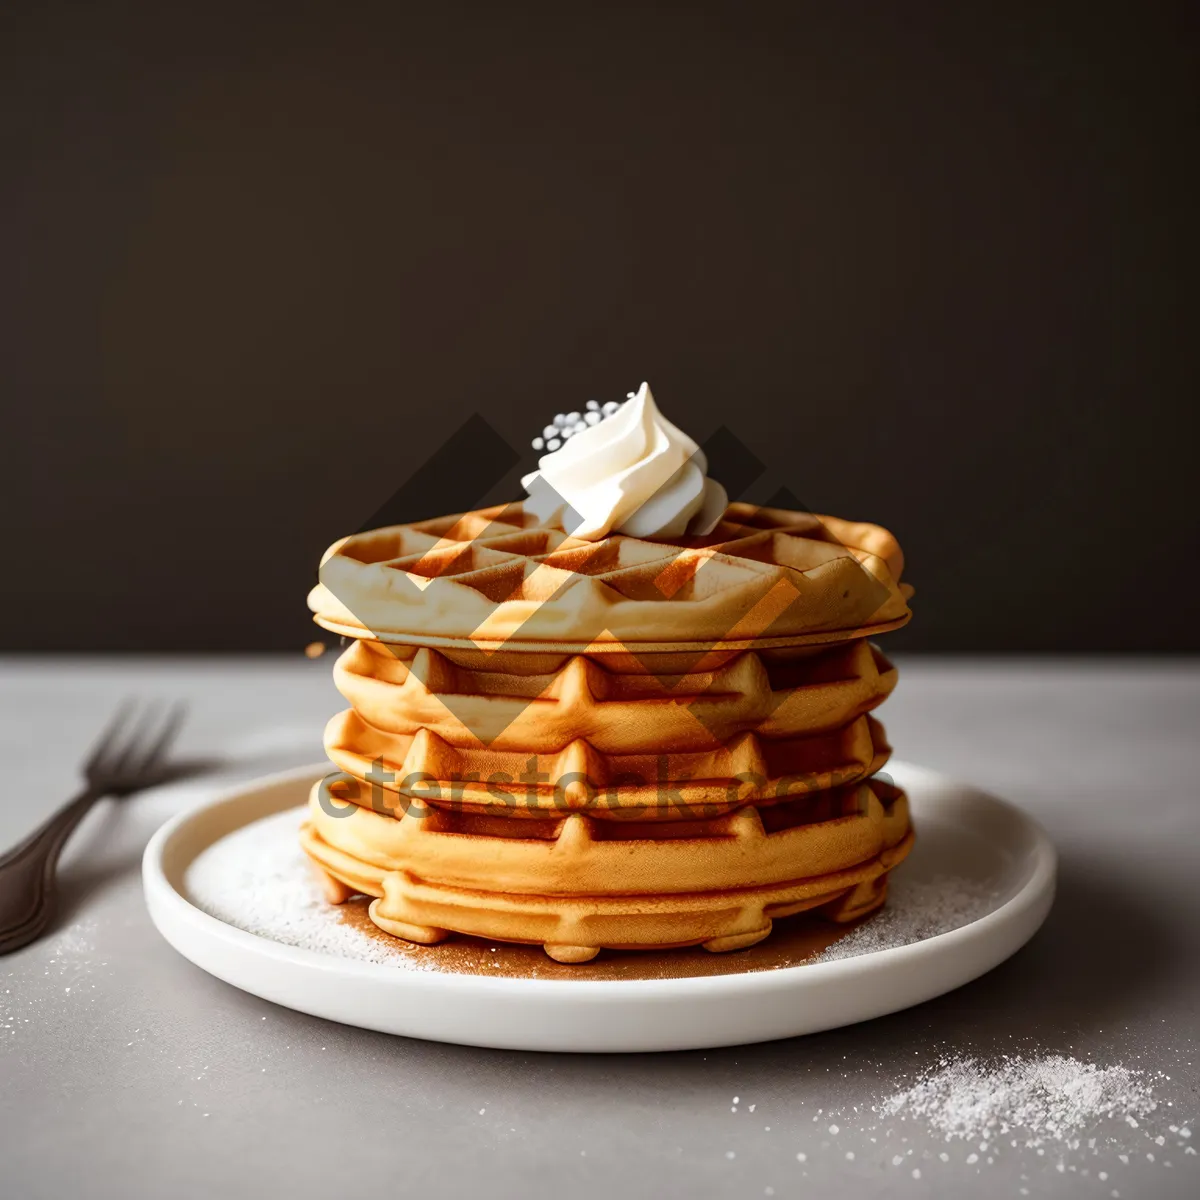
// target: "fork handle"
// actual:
[[27, 874]]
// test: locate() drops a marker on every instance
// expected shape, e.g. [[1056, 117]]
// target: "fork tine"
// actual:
[[101, 749], [126, 755], [158, 749]]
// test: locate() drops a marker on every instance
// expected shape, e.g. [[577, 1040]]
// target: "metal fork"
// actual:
[[130, 755]]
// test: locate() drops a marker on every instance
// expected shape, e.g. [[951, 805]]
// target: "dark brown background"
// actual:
[[935, 270]]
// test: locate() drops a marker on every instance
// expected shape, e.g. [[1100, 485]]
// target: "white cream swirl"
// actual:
[[633, 473]]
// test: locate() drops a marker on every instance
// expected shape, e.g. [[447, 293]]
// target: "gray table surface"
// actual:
[[127, 1072]]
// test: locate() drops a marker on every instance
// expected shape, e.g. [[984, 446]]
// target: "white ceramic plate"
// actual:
[[960, 832]]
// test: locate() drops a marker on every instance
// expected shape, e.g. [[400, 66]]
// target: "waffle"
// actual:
[[575, 735], [576, 884], [495, 578], [619, 744]]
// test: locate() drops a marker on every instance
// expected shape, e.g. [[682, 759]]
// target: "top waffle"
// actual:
[[494, 578]]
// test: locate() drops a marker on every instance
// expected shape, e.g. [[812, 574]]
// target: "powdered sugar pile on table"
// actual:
[[1057, 1114], [1041, 1100]]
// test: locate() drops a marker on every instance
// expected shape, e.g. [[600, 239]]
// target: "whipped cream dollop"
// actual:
[[633, 473]]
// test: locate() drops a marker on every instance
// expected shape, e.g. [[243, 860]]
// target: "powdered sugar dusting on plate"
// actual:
[[258, 879], [916, 909]]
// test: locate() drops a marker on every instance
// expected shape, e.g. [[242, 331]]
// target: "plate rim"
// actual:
[[161, 894]]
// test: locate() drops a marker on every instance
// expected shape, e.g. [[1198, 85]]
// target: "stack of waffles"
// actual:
[[615, 744]]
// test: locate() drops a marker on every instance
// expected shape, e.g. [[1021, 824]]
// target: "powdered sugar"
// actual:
[[259, 880], [1039, 1115], [67, 979], [916, 909], [1046, 1099]]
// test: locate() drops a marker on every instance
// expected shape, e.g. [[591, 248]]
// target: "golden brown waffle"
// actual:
[[623, 743], [576, 884], [575, 735], [495, 578]]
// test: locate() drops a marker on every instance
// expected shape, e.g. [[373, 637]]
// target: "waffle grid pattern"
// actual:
[[578, 889], [623, 747], [488, 576]]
